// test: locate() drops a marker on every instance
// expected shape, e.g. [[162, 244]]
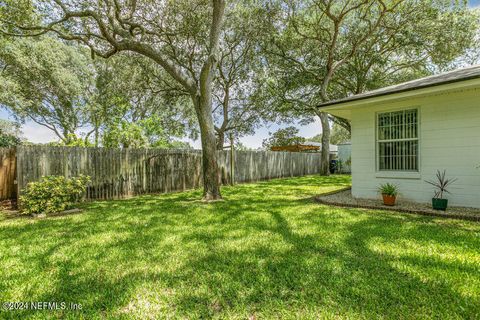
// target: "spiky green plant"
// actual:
[[388, 189], [441, 184]]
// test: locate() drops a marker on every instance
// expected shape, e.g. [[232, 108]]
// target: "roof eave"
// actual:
[[341, 107]]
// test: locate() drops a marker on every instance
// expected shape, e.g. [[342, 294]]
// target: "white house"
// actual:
[[404, 133]]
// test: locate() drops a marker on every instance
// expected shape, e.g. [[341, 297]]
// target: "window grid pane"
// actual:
[[398, 141]]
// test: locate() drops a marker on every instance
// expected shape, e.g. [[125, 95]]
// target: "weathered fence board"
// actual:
[[118, 173], [8, 188]]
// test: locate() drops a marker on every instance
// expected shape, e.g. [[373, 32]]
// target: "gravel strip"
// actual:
[[344, 198]]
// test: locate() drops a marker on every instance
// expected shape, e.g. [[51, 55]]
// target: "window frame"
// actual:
[[397, 173]]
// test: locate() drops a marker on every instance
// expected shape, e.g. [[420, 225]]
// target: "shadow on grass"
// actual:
[[267, 250]]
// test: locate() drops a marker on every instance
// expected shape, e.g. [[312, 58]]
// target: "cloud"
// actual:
[[38, 134]]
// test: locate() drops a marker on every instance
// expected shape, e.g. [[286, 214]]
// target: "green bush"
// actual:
[[53, 194]]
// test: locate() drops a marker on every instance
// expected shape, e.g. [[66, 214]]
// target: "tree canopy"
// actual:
[[125, 73], [45, 81], [319, 50], [240, 72], [10, 134], [181, 41], [132, 94], [283, 137], [338, 135]]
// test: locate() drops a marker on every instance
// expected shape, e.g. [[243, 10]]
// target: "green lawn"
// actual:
[[268, 251]]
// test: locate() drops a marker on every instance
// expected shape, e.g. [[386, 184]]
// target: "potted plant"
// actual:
[[441, 184], [389, 193]]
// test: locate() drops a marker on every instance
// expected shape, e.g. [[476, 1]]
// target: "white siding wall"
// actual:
[[449, 126]]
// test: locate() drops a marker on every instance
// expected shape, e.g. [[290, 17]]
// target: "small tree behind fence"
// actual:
[[118, 173]]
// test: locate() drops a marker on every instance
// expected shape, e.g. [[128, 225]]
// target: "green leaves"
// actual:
[[388, 189], [347, 47], [338, 135], [46, 81], [138, 104], [16, 12], [53, 194], [124, 134], [283, 137], [10, 134]]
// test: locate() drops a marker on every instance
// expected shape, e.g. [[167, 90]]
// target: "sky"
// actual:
[[39, 134]]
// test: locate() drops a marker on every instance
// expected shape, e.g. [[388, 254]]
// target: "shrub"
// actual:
[[53, 194]]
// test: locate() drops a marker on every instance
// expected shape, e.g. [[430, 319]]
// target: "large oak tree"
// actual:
[[311, 41], [180, 36]]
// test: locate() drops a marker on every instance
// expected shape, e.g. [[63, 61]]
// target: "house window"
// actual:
[[397, 140]]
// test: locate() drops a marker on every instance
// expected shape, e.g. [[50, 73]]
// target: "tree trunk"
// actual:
[[220, 139], [325, 157], [211, 183], [96, 136]]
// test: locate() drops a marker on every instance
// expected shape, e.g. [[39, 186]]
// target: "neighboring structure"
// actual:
[[307, 146], [402, 134], [332, 147], [344, 157]]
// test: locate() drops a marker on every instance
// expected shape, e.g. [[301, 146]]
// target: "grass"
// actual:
[[268, 251]]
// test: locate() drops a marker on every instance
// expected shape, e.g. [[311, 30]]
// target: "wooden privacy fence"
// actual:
[[118, 173]]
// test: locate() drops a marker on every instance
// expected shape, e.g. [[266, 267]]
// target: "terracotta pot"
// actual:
[[388, 200]]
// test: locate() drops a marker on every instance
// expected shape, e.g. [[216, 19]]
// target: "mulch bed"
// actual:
[[343, 198]]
